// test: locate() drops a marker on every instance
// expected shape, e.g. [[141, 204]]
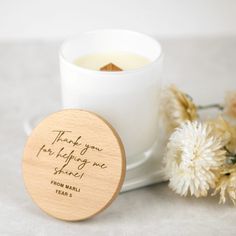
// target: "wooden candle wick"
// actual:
[[110, 67]]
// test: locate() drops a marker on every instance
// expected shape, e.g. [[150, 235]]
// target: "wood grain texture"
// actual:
[[73, 164]]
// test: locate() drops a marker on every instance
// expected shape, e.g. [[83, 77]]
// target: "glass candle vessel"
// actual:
[[128, 99]]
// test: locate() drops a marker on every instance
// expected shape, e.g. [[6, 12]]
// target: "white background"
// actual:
[[57, 19]]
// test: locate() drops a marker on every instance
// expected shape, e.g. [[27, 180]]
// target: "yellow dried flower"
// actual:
[[177, 107], [230, 104], [227, 184], [227, 131]]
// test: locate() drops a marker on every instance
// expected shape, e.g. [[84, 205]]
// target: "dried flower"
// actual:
[[230, 104], [194, 153], [226, 131], [227, 184], [177, 107]]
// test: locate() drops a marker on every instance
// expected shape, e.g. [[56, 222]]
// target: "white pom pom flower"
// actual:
[[194, 154]]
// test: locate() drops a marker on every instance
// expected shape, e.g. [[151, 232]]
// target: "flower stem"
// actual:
[[232, 156], [218, 106]]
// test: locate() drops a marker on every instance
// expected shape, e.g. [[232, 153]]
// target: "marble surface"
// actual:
[[29, 82]]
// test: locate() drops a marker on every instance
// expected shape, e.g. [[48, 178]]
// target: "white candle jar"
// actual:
[[128, 99]]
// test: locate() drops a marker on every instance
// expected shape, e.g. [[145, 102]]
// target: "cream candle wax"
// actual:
[[123, 60], [128, 99]]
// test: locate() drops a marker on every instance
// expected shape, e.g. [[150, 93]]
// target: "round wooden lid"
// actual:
[[73, 165]]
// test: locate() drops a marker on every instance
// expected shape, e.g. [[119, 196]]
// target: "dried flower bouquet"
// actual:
[[200, 155]]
